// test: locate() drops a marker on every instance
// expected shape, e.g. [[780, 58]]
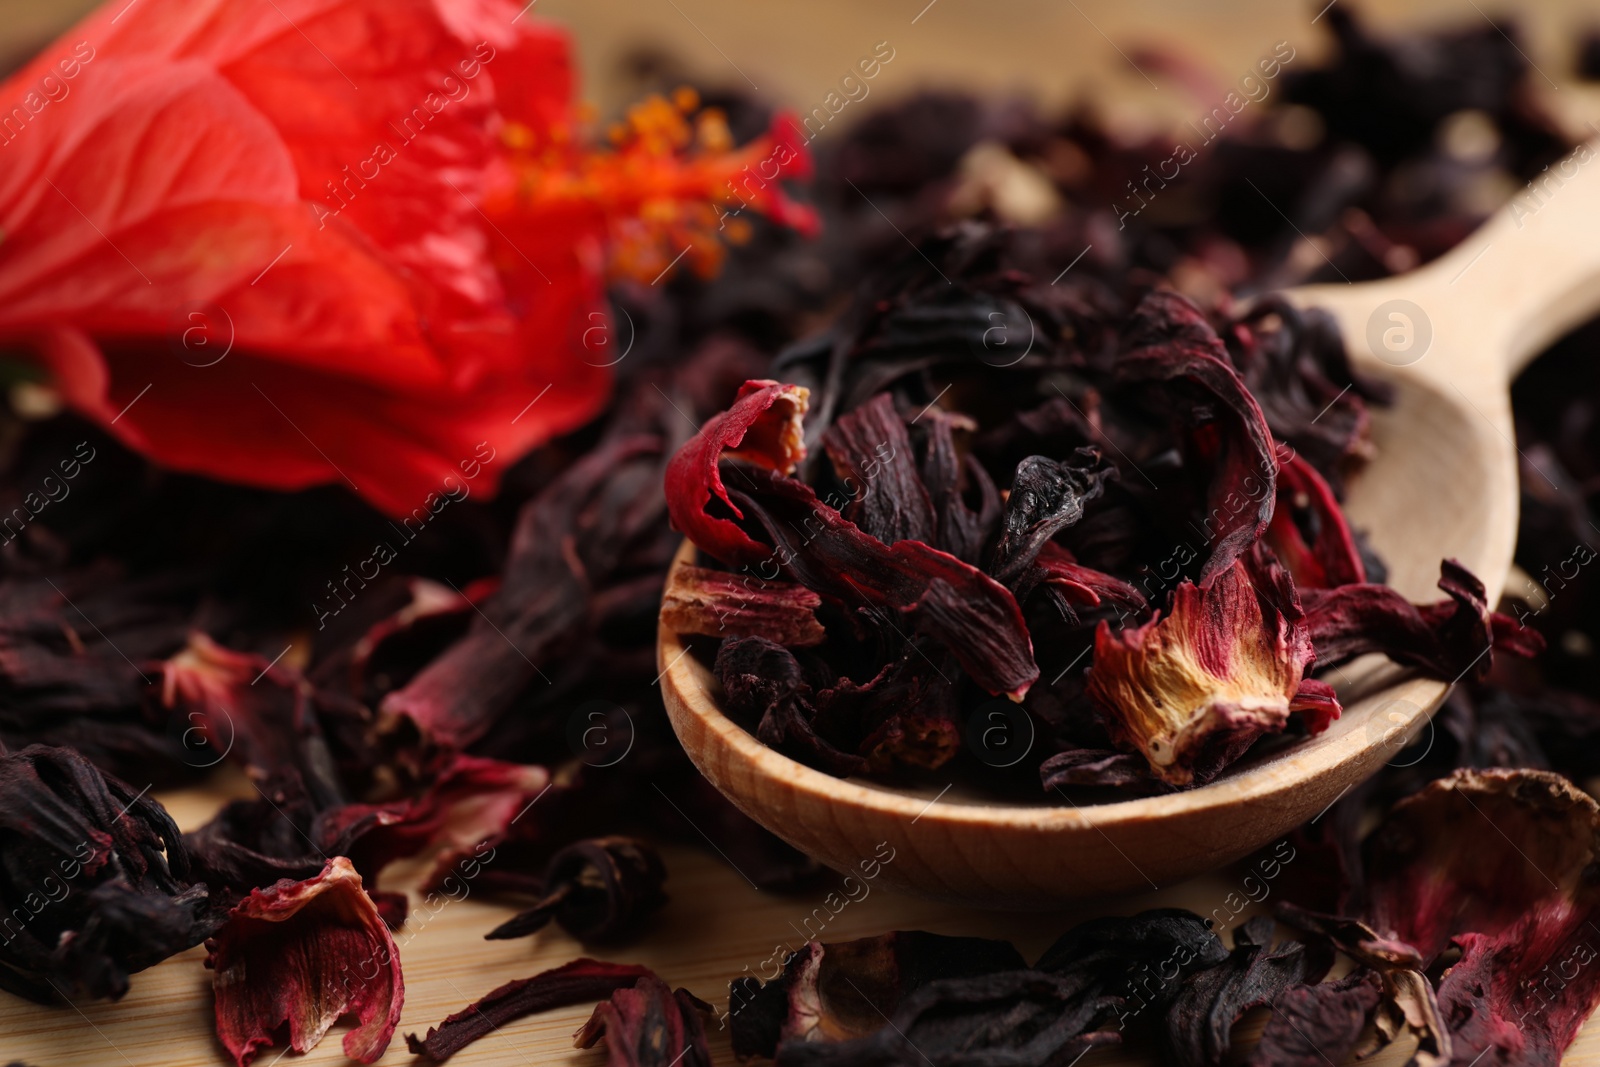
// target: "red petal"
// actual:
[[298, 954], [1332, 558], [769, 414]]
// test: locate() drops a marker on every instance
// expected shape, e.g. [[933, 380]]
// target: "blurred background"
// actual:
[[795, 52]]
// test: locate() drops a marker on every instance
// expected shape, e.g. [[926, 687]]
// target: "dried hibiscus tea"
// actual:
[[1193, 690], [901, 528], [298, 956], [572, 983], [1497, 866], [95, 880], [600, 891], [649, 1025]]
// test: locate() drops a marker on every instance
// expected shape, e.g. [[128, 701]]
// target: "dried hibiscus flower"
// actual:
[[649, 1025], [299, 956], [95, 880], [1193, 690], [599, 891], [954, 1001]]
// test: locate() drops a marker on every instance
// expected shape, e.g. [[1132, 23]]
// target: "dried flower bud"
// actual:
[[600, 891]]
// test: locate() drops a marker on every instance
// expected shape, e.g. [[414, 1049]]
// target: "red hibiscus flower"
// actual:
[[338, 240]]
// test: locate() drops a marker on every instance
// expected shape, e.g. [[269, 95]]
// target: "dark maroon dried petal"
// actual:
[[1078, 586], [1046, 498], [1314, 1025], [837, 991], [931, 592], [649, 1025], [1199, 1022], [95, 880], [298, 956], [763, 682], [1309, 532], [699, 600], [573, 983], [1498, 863], [961, 531], [1170, 343], [1446, 639], [248, 709], [872, 456], [1010, 1019], [600, 891], [1100, 767], [1130, 955], [567, 540]]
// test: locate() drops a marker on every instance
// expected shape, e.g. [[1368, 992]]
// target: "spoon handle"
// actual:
[[1480, 312], [1532, 272]]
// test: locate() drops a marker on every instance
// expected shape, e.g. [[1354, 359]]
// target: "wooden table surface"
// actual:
[[716, 924]]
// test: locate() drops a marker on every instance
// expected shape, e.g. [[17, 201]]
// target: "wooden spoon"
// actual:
[[1450, 336]]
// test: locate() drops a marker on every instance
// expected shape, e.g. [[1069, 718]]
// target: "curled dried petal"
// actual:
[[763, 428], [714, 603], [299, 954], [1193, 690], [573, 983], [649, 1025]]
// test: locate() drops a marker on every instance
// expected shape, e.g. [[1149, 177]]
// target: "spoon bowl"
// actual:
[[1449, 336]]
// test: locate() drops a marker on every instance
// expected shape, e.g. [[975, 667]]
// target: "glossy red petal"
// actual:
[[1330, 557], [769, 414]]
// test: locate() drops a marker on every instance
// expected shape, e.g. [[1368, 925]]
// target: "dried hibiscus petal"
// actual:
[[1046, 498], [300, 955], [1406, 999], [573, 983], [712, 603], [763, 428], [936, 594], [1309, 532], [1194, 689], [256, 712], [1170, 343], [1446, 639], [872, 455], [1199, 1022], [1313, 1025], [1499, 864], [600, 890], [762, 682], [649, 1025]]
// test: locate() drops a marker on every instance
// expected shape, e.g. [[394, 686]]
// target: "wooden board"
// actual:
[[714, 928]]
